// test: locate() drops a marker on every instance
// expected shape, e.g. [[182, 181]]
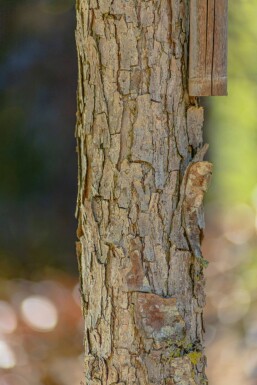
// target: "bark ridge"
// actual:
[[140, 190]]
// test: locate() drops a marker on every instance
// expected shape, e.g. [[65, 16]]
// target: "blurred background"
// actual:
[[40, 321]]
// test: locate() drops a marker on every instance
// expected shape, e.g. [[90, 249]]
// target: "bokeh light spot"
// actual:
[[7, 356], [8, 319], [39, 313]]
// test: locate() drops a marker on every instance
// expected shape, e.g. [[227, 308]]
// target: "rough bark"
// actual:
[[141, 184]]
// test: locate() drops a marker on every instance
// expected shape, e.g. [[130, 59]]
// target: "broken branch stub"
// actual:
[[208, 48]]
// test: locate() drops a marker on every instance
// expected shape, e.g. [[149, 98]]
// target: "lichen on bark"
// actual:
[[141, 183]]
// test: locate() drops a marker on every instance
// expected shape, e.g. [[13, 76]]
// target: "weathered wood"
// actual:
[[141, 184], [208, 48]]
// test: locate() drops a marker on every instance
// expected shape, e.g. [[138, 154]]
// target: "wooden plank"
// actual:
[[208, 47], [219, 77]]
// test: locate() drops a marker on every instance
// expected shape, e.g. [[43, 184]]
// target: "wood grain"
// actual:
[[208, 48]]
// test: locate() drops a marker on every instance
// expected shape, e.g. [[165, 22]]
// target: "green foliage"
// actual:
[[233, 119]]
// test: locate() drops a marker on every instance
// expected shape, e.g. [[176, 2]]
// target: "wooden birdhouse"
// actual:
[[208, 47]]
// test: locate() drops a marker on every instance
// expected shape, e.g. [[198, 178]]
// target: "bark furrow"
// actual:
[[140, 190]]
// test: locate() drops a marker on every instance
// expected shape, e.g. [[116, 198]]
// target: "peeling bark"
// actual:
[[140, 191]]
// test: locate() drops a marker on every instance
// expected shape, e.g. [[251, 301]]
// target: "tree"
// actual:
[[141, 184]]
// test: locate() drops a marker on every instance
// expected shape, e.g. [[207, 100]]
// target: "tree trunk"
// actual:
[[141, 183]]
